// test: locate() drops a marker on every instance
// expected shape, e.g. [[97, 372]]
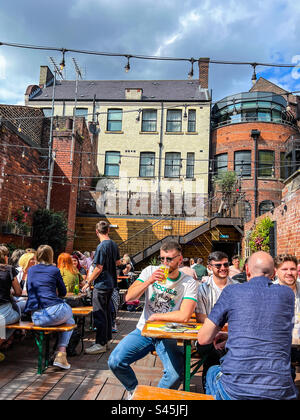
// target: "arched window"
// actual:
[[266, 206]]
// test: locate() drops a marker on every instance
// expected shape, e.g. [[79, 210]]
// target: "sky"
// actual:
[[231, 30]]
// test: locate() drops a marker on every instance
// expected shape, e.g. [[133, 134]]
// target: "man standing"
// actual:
[[200, 269], [260, 321], [185, 268], [208, 294], [172, 301], [286, 271], [235, 267], [104, 277]]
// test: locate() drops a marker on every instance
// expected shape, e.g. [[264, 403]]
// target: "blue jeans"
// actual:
[[53, 316], [134, 347], [214, 386], [7, 316]]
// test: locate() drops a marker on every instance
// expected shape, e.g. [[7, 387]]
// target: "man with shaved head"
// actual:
[[259, 314]]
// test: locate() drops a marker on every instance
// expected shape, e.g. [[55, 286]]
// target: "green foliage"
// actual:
[[226, 181], [260, 236], [154, 261], [49, 228]]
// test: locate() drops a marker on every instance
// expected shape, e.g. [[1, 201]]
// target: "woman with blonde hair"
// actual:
[[25, 262], [46, 289], [8, 281], [69, 272]]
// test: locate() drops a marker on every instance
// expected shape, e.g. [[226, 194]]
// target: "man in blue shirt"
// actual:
[[260, 322], [104, 277]]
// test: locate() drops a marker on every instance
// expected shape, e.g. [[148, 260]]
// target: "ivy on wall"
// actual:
[[260, 236]]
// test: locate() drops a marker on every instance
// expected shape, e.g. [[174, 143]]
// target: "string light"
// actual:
[[254, 78], [127, 67], [62, 63], [191, 72]]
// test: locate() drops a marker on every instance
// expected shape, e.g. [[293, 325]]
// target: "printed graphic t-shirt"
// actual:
[[163, 298]]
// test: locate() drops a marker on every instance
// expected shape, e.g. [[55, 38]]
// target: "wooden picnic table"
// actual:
[[183, 338]]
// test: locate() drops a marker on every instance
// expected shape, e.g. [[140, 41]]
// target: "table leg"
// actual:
[[39, 339], [187, 365]]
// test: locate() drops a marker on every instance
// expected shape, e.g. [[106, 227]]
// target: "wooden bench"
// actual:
[[79, 315], [144, 392], [41, 335]]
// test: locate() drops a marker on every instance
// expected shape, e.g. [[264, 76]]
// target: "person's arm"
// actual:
[[200, 317], [96, 273], [208, 332], [16, 287], [126, 269], [138, 288], [183, 315], [60, 285]]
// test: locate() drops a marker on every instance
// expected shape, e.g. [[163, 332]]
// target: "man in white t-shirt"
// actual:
[[174, 301]]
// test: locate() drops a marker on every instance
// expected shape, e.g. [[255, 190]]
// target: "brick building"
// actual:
[[249, 135], [24, 136], [286, 218]]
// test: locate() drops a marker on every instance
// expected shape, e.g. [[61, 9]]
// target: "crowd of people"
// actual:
[[254, 360]]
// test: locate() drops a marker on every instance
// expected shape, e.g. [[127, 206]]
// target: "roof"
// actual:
[[114, 90]]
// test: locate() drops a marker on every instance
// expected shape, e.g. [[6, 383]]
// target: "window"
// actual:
[[112, 163], [172, 165], [147, 164], [242, 163], [190, 163], [149, 120], [174, 120], [265, 207], [47, 112], [247, 214], [114, 120], [192, 121], [81, 112], [221, 162], [266, 163]]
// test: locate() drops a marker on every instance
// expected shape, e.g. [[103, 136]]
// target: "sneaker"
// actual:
[[61, 360], [114, 329], [96, 349]]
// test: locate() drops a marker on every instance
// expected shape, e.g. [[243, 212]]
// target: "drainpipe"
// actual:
[[255, 135], [160, 149]]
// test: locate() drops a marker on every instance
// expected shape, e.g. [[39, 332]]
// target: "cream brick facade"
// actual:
[[131, 141]]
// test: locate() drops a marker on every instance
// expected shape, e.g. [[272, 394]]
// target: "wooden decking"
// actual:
[[89, 377]]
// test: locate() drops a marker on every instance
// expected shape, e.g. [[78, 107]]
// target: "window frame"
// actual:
[[263, 166], [191, 121], [107, 164], [242, 164], [188, 165], [170, 122], [110, 111], [168, 166], [271, 207], [144, 111], [217, 167], [143, 154]]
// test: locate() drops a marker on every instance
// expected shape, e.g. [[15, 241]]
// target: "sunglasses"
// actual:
[[168, 259], [218, 266]]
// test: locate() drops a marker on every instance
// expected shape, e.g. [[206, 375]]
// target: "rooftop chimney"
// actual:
[[133, 94], [46, 76], [203, 64]]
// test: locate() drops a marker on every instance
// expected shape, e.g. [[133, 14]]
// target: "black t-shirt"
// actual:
[[7, 274], [107, 253]]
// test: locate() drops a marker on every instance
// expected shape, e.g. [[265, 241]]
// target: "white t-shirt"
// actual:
[[163, 298]]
